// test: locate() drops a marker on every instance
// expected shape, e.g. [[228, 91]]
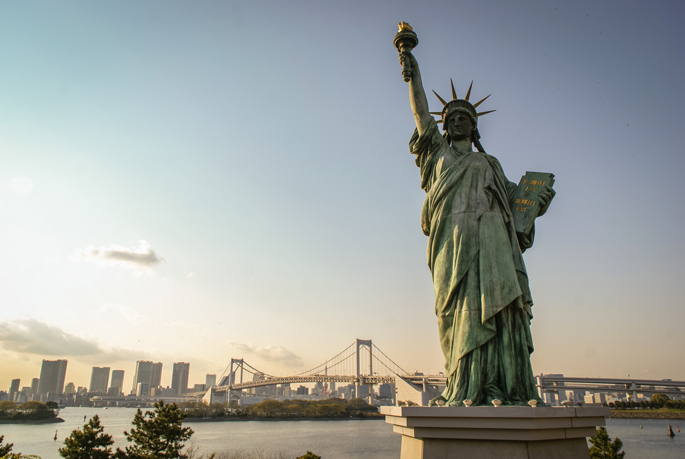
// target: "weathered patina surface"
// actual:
[[482, 299]]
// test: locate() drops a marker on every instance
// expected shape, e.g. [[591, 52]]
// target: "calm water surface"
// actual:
[[329, 439]]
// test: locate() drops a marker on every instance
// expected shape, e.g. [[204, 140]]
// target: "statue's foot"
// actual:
[[436, 401]]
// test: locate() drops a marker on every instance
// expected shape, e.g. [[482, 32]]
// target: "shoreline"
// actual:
[[265, 419], [646, 414]]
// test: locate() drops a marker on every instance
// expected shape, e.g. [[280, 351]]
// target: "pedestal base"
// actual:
[[497, 433]]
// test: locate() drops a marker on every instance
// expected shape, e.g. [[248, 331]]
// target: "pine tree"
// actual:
[[90, 443], [604, 448], [157, 434], [6, 449]]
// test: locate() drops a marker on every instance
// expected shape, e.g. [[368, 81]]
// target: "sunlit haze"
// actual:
[[195, 181]]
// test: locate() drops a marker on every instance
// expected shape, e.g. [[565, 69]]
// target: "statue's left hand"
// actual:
[[545, 199]]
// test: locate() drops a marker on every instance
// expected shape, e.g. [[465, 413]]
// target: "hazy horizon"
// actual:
[[199, 181]]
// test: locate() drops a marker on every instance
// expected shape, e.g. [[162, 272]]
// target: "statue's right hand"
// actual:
[[408, 57]]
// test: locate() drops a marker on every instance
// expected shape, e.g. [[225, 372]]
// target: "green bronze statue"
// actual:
[[482, 299]]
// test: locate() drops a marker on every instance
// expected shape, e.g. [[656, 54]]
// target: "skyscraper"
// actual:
[[156, 378], [179, 377], [143, 374], [14, 388], [117, 381], [210, 381], [35, 383], [52, 374], [148, 373], [98, 380]]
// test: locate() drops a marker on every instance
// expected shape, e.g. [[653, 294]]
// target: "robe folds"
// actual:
[[482, 299]]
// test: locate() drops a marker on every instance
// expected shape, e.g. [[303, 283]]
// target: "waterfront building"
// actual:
[[35, 383], [52, 374], [386, 391], [210, 381], [116, 385], [147, 373], [142, 390], [70, 388], [179, 377], [98, 380], [156, 377], [14, 388]]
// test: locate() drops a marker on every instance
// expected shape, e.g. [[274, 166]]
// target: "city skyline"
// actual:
[[195, 183]]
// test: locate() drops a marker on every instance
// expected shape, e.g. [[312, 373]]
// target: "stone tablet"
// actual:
[[526, 205]]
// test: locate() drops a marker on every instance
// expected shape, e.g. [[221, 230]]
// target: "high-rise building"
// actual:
[[179, 377], [14, 389], [52, 374], [156, 379], [117, 381], [146, 373], [70, 388], [210, 381], [98, 380], [35, 383]]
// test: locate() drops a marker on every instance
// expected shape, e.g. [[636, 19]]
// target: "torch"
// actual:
[[405, 40]]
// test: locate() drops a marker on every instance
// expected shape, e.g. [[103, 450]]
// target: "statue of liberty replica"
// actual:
[[475, 245]]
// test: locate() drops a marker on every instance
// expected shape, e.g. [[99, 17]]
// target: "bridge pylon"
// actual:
[[358, 346]]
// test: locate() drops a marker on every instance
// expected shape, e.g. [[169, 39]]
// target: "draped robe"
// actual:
[[482, 299]]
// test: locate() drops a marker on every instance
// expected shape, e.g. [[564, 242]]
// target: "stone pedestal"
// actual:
[[481, 432]]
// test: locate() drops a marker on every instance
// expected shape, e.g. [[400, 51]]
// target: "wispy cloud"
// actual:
[[131, 257], [30, 336], [270, 353], [128, 312]]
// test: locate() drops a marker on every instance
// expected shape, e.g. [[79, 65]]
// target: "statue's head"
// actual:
[[459, 120], [459, 117]]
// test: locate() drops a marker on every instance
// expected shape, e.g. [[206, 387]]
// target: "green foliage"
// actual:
[[158, 434], [200, 410], [268, 408], [359, 404], [90, 443], [329, 408], [6, 449], [604, 448], [32, 406], [20, 456], [52, 405], [309, 455], [658, 400], [26, 411], [8, 405]]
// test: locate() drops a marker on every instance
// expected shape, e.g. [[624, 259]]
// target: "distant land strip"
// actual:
[[648, 414]]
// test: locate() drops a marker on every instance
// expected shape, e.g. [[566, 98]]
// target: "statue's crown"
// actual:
[[462, 105]]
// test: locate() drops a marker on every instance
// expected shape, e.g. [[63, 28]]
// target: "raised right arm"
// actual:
[[417, 96]]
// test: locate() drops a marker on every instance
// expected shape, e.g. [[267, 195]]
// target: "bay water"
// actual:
[[345, 439]]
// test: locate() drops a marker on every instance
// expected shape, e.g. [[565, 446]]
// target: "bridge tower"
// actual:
[[235, 364], [369, 345]]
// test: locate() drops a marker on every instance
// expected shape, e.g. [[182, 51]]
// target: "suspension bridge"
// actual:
[[360, 363]]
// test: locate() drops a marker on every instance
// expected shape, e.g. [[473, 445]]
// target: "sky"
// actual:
[[201, 181]]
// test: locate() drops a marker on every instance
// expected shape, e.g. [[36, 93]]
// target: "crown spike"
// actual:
[[454, 93], [441, 99], [468, 94], [485, 113], [481, 101]]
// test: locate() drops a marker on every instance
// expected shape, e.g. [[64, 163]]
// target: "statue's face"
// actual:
[[459, 126]]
